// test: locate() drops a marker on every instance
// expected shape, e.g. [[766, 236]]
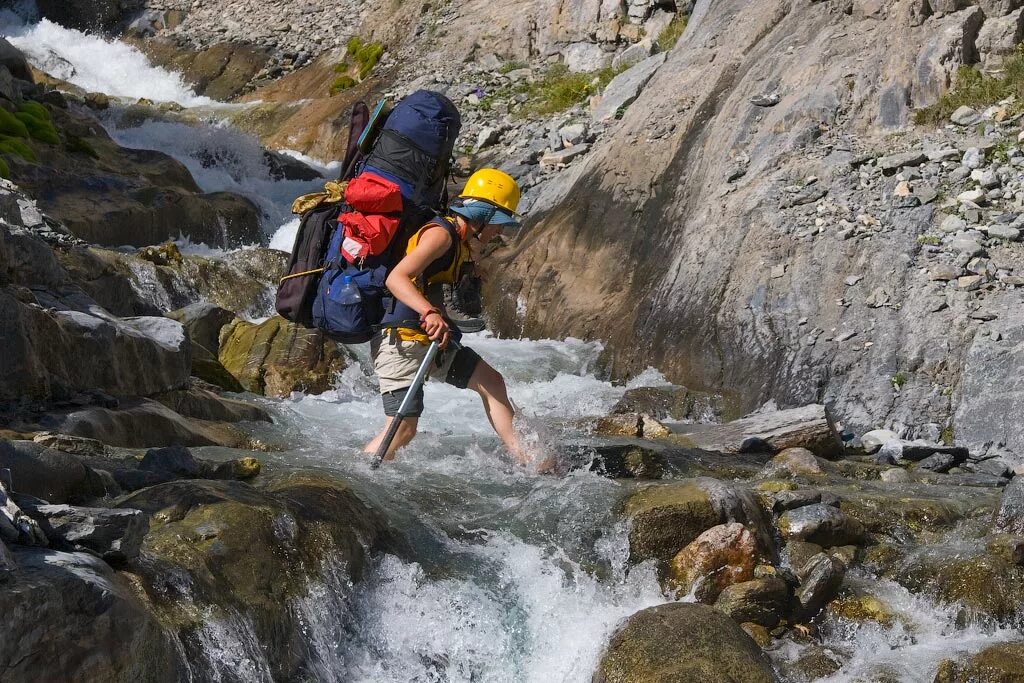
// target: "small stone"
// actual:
[[969, 283], [721, 556], [973, 158], [890, 453], [902, 189], [766, 99], [876, 438], [853, 279], [1004, 232], [895, 476], [966, 246], [564, 156], [849, 334], [820, 581], [952, 224], [894, 162], [573, 134], [983, 316], [971, 197], [965, 116], [987, 178], [487, 137], [778, 271], [944, 272], [938, 462]]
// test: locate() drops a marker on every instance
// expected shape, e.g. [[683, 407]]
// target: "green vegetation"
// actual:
[[974, 89], [362, 57], [898, 380], [560, 89], [36, 119], [668, 38], [931, 240], [5, 170], [17, 147], [512, 66], [11, 125], [947, 436]]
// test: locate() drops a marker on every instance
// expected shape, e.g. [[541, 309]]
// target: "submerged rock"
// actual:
[[1001, 663], [682, 642]]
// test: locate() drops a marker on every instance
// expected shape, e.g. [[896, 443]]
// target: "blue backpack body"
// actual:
[[413, 150]]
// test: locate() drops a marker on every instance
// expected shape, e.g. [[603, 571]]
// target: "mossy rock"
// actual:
[[1003, 663], [277, 357], [252, 552], [884, 513], [986, 585], [39, 129], [17, 147], [682, 643], [861, 608], [35, 109], [5, 170], [11, 125]]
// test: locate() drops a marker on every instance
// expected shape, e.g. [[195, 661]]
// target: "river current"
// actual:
[[510, 576]]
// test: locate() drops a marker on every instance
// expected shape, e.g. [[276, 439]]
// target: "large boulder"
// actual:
[[665, 518], [49, 474], [680, 643], [69, 615], [277, 357], [809, 427], [127, 357], [142, 423], [203, 322], [253, 553], [824, 525]]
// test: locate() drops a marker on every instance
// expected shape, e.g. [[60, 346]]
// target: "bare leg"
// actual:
[[403, 436], [489, 383]]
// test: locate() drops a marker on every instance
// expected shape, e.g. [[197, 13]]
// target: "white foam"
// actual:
[[95, 64]]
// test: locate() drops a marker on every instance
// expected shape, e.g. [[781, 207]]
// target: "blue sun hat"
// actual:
[[484, 213]]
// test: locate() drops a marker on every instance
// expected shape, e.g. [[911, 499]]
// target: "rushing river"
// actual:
[[510, 576]]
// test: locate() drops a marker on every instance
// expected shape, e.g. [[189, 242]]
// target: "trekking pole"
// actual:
[[417, 382]]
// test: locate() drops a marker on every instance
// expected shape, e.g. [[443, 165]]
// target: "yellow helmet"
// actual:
[[494, 187]]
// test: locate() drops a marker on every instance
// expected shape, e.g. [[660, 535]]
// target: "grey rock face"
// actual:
[[625, 87], [1010, 516], [15, 525], [52, 475], [113, 534]]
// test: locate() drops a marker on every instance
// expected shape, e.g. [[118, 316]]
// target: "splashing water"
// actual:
[[95, 64]]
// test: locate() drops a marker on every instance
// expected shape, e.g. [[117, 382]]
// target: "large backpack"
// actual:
[[399, 188]]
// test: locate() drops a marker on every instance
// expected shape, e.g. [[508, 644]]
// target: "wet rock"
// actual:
[[277, 357], [1009, 517], [794, 462], [719, 557], [666, 517], [15, 525], [174, 460], [75, 445], [49, 474], [203, 322], [881, 512], [716, 649], [796, 554], [203, 404], [673, 402], [895, 475], [242, 549], [70, 612], [114, 535], [938, 462], [790, 500], [861, 608], [1000, 663], [821, 524], [809, 427], [145, 423], [7, 561], [820, 579], [816, 662], [624, 88], [628, 462], [625, 424], [916, 452], [762, 601]]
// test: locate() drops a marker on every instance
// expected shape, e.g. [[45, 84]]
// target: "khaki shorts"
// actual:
[[396, 362]]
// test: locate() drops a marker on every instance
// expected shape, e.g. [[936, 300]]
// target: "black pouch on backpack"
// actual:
[[298, 287]]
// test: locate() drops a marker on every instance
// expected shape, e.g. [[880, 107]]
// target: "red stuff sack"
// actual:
[[377, 209]]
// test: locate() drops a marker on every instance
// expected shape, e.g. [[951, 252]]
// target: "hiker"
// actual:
[[436, 255]]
